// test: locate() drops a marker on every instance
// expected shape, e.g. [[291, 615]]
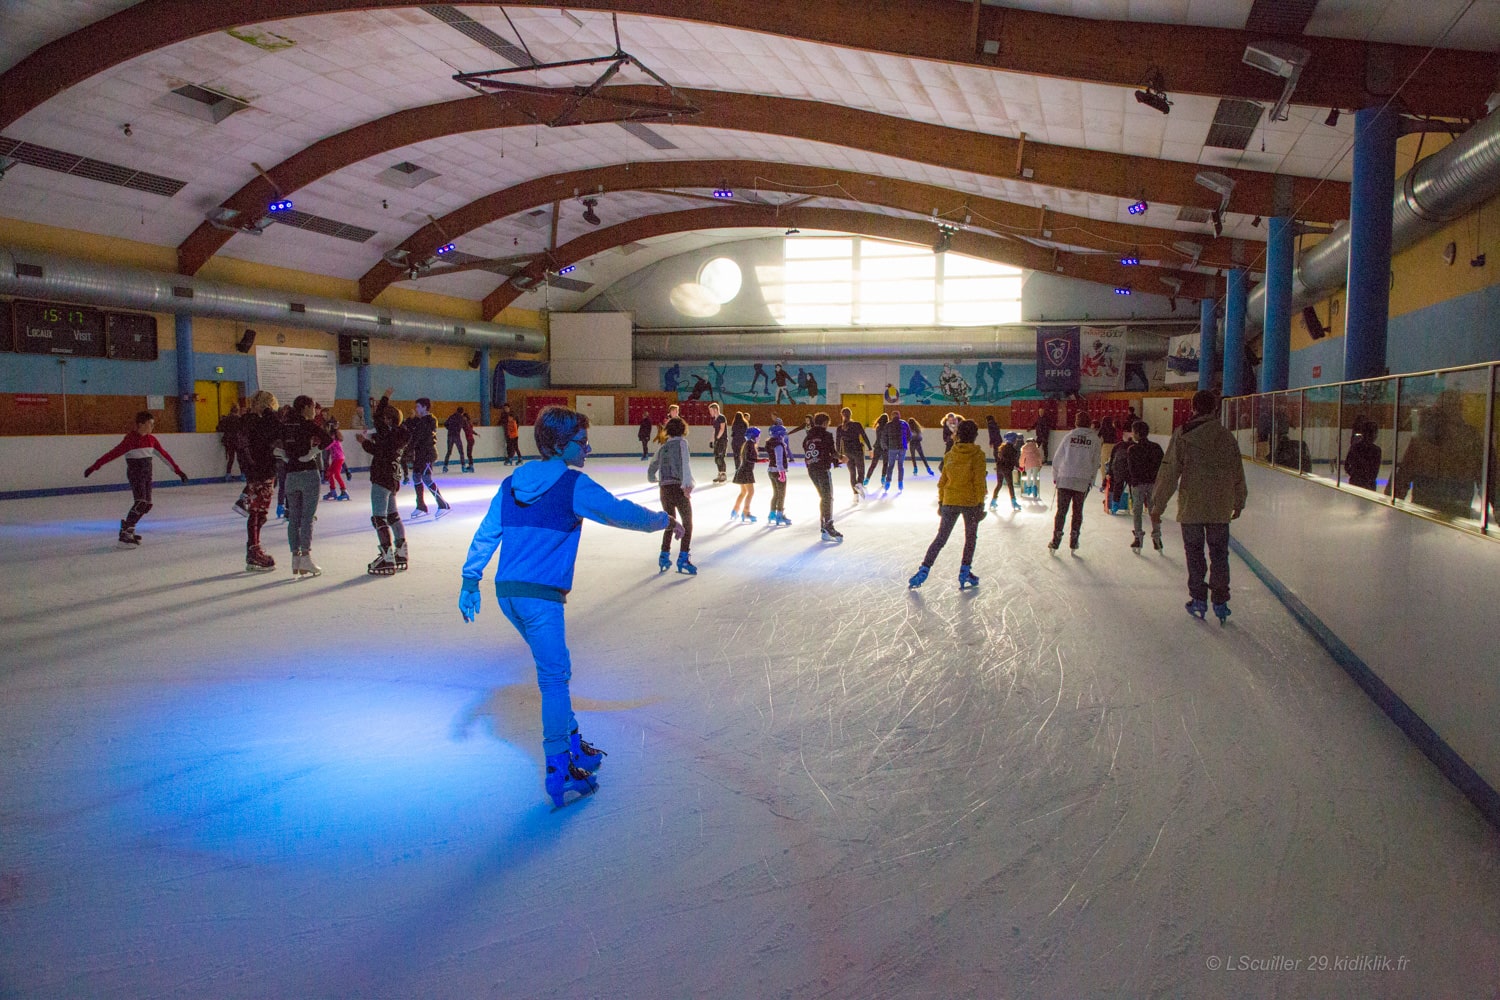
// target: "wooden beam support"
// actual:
[[856, 188], [1444, 82], [917, 231], [1161, 181]]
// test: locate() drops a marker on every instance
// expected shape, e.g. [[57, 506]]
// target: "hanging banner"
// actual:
[[952, 383], [1057, 359], [290, 372], [1182, 359], [1102, 366], [771, 382]]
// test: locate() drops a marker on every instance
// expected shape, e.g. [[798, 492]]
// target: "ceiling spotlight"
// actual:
[[1332, 120], [945, 238], [589, 215], [1278, 59], [1155, 94], [1123, 290], [445, 248], [569, 269], [283, 205], [1138, 208], [1129, 261], [793, 231], [723, 192], [126, 129]]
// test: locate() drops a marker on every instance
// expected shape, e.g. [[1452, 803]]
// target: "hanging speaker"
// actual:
[[1315, 328], [475, 359], [246, 341]]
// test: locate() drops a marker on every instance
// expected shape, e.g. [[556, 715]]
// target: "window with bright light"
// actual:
[[854, 281]]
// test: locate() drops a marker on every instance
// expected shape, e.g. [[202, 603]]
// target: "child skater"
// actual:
[[1032, 459], [336, 466], [385, 448], [778, 457], [820, 454], [961, 489], [137, 447], [672, 470], [744, 476], [1007, 457], [537, 514]]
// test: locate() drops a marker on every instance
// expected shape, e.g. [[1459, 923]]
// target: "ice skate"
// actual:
[[1055, 544], [994, 503], [128, 536], [399, 554], [343, 495], [442, 504], [302, 564], [749, 518], [281, 512], [419, 511], [831, 534], [1135, 546], [330, 495], [257, 560], [1198, 609], [589, 757], [664, 563], [1156, 543], [966, 578], [918, 578], [382, 564], [241, 508], [564, 775], [1015, 505], [685, 565], [1073, 543], [786, 522], [1221, 611]]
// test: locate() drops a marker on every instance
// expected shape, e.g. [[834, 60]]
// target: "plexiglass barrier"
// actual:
[[1425, 442]]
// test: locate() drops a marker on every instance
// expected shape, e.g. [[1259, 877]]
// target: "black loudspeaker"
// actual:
[[1315, 328], [246, 341], [354, 349], [475, 359]]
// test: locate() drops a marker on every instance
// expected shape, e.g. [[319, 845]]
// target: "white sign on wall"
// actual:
[[1182, 359], [290, 372]]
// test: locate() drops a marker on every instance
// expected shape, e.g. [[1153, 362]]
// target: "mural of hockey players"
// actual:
[[782, 378], [700, 386], [718, 371], [812, 387], [670, 378], [760, 373], [954, 385], [987, 378]]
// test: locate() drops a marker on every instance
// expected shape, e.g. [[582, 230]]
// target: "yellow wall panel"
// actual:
[[88, 246]]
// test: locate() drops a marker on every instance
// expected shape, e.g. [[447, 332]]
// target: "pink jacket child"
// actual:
[[335, 456], [1031, 468]]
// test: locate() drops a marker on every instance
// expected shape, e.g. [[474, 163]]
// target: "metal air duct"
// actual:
[[35, 275], [1453, 181]]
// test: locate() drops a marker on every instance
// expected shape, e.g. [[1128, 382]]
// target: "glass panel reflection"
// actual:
[[1367, 433], [1320, 429], [1440, 442], [1286, 447]]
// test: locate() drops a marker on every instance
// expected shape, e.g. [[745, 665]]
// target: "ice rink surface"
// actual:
[[215, 784]]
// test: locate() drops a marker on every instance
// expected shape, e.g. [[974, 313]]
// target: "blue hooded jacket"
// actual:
[[540, 510]]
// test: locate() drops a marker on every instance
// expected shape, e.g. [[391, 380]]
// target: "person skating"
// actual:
[[778, 457], [1007, 457], [960, 494], [672, 471], [744, 476], [852, 444], [261, 427], [877, 453], [1142, 465], [470, 435], [337, 490], [916, 446], [1073, 470], [894, 436], [137, 447], [1203, 467], [423, 429], [720, 431], [643, 434], [229, 435], [737, 429], [820, 454], [534, 521], [454, 425], [385, 445], [302, 444]]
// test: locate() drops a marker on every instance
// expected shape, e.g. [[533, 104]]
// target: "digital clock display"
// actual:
[[55, 328]]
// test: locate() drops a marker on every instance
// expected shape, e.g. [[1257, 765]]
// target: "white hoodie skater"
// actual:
[[1076, 460]]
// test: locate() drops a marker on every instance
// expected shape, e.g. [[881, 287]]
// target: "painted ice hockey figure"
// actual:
[[954, 385]]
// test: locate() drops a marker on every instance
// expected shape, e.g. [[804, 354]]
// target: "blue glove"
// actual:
[[469, 600]]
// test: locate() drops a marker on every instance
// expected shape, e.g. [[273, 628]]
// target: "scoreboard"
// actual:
[[78, 331]]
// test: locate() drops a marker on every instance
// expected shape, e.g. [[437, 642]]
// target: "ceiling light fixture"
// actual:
[[589, 215], [945, 237], [1278, 59], [1139, 208], [793, 231], [1123, 290], [723, 192], [1129, 261], [281, 205], [1155, 94], [568, 270], [445, 248]]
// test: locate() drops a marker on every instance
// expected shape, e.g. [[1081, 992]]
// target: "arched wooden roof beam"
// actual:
[[745, 175], [1017, 253], [1166, 181], [1199, 60]]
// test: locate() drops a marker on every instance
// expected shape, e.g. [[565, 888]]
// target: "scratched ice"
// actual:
[[819, 784]]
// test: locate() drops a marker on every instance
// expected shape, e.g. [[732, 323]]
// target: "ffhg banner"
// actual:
[[1057, 359]]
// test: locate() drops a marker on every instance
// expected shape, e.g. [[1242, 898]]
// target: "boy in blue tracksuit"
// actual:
[[540, 510]]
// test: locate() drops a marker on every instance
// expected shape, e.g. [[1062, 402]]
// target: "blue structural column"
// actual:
[[1370, 207], [1208, 364], [1235, 297], [362, 390], [1276, 341], [484, 386], [187, 410]]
